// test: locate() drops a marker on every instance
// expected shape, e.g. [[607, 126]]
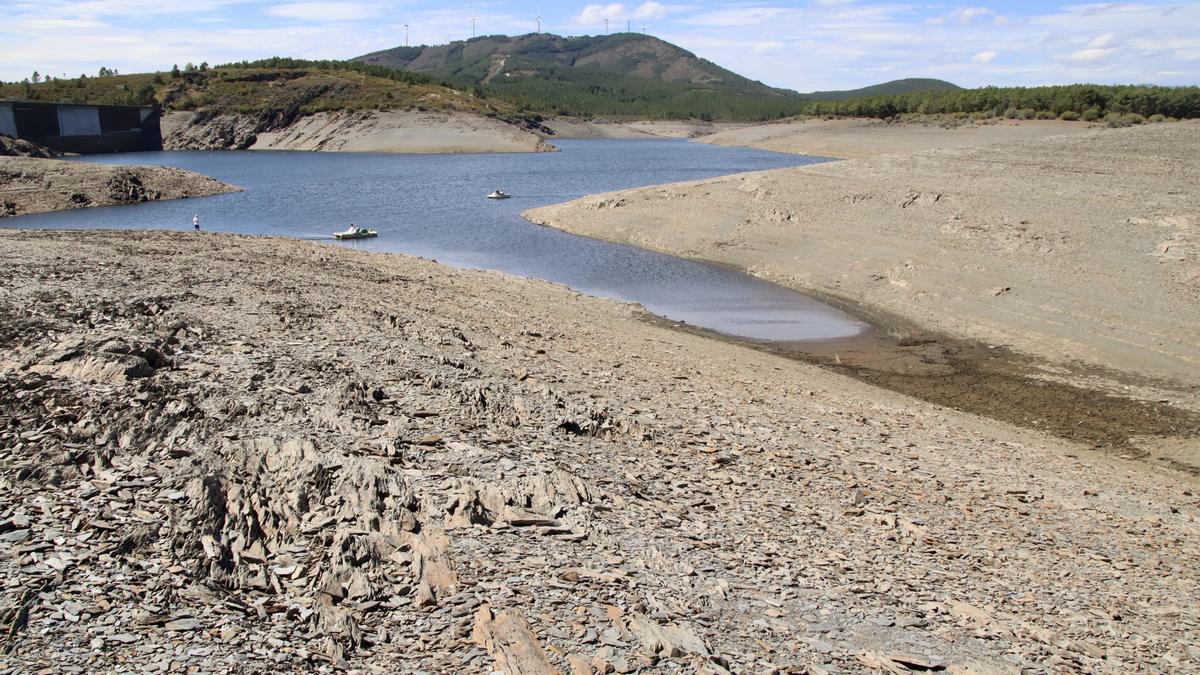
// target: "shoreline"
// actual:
[[715, 205], [396, 474], [741, 221]]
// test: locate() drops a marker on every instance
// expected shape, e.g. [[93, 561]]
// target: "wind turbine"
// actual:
[[405, 35], [644, 27], [606, 25], [539, 20], [472, 26]]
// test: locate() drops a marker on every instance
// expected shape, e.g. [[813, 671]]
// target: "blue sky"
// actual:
[[807, 45]]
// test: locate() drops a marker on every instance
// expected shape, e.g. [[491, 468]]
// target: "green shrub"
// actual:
[[1069, 116], [1045, 115], [1028, 114], [1090, 115], [1157, 118], [1133, 118], [1012, 113]]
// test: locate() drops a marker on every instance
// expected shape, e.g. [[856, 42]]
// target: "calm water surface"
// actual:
[[434, 206]]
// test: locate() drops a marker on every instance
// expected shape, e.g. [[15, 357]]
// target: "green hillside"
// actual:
[[626, 74]]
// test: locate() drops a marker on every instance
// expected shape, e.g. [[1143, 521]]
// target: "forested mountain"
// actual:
[[626, 74], [905, 86], [622, 74]]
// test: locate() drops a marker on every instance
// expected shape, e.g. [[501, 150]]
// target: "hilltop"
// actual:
[[623, 74], [895, 87], [626, 74]]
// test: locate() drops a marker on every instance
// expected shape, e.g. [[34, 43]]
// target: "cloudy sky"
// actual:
[[805, 45]]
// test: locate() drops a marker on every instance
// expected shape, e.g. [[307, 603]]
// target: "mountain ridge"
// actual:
[[623, 74]]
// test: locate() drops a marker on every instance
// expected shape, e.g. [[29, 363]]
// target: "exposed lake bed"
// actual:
[[393, 455], [409, 450]]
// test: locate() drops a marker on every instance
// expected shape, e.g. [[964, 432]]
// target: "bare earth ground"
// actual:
[[637, 130], [862, 138], [227, 453], [1080, 251], [359, 131], [31, 185]]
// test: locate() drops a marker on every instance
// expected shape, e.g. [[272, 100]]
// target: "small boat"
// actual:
[[499, 194], [356, 233]]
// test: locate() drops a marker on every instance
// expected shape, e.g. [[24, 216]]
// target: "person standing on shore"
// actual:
[[196, 222]]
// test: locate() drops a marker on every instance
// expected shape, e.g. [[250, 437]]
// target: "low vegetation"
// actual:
[[263, 87]]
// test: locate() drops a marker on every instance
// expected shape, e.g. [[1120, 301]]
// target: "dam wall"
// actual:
[[84, 129]]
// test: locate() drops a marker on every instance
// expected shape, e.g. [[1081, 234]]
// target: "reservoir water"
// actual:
[[434, 206]]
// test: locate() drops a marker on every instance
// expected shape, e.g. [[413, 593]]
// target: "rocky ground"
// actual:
[[569, 127], [353, 131], [863, 138], [1079, 250], [17, 147], [30, 185], [222, 453]]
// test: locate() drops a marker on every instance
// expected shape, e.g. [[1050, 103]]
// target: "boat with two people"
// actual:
[[499, 194], [355, 233]]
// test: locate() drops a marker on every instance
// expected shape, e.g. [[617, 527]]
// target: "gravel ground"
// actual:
[[223, 453], [30, 185]]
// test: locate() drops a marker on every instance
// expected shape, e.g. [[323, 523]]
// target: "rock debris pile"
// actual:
[[214, 457]]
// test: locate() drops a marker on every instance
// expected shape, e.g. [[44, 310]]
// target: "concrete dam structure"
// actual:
[[84, 129]]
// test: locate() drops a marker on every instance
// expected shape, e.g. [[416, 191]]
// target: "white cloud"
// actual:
[[1092, 54], [324, 11], [962, 15], [595, 14], [1105, 40], [650, 10], [984, 57]]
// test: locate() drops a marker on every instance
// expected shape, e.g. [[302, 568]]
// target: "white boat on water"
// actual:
[[355, 233], [499, 194]]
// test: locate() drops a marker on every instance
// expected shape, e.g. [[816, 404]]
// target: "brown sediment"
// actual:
[[992, 381]]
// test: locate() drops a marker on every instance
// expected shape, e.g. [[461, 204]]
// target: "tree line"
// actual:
[[1076, 101], [281, 62]]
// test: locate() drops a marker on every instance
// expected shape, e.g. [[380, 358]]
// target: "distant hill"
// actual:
[[622, 74], [500, 60], [905, 86]]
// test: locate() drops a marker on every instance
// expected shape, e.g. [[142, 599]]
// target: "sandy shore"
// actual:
[[213, 456], [637, 130], [862, 138], [1077, 249], [29, 185], [360, 131]]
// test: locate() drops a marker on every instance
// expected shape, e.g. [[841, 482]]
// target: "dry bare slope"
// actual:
[[1080, 248], [213, 457], [863, 138]]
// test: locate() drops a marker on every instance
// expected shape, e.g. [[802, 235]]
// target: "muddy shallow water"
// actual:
[[434, 206]]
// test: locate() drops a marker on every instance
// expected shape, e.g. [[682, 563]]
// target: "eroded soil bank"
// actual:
[[33, 185], [239, 453]]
